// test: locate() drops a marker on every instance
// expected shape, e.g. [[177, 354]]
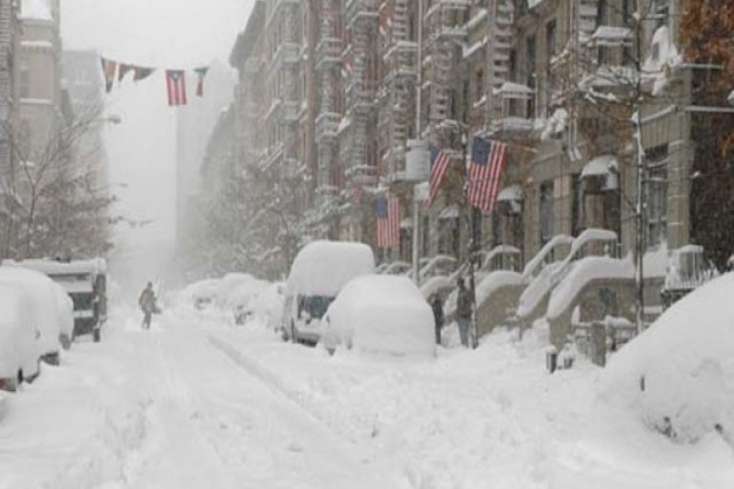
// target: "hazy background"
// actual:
[[165, 34]]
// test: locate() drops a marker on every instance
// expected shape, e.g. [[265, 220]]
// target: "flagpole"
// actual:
[[418, 103]]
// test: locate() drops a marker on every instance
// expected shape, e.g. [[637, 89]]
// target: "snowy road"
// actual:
[[167, 409], [197, 403]]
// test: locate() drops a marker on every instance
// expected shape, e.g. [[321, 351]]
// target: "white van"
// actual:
[[317, 275], [19, 338]]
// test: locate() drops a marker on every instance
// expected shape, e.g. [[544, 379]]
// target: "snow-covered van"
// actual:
[[19, 338], [85, 281], [317, 275]]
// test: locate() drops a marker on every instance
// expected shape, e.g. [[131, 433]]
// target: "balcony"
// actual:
[[402, 59], [287, 53], [290, 111], [356, 10], [327, 126], [328, 52]]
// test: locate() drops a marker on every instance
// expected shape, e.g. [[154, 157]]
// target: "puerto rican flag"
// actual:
[[176, 85]]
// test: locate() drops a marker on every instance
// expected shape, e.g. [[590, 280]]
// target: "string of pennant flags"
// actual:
[[115, 72]]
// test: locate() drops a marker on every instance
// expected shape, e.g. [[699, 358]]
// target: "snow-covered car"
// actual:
[[678, 375], [201, 294], [267, 307], [85, 282], [381, 314], [44, 307], [19, 338], [318, 273]]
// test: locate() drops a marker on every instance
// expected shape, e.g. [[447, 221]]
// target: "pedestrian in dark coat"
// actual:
[[147, 303], [437, 306]]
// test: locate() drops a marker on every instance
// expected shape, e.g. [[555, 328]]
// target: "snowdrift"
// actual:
[[267, 306], [678, 376], [382, 314]]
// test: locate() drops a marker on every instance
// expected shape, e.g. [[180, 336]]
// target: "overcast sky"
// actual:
[[163, 33]]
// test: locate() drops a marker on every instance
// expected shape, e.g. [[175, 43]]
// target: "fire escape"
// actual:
[[328, 66], [362, 22], [288, 59], [398, 100], [446, 36]]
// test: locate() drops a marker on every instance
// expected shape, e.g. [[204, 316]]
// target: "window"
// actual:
[[577, 205], [531, 78], [661, 12], [657, 195], [479, 81], [550, 39], [545, 213], [513, 65]]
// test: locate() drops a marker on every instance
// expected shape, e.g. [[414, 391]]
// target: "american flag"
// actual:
[[439, 166], [176, 84], [388, 222], [488, 161]]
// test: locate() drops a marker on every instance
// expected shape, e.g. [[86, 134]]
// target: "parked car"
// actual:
[[267, 307], [43, 307], [317, 275], [678, 375], [85, 281], [19, 338], [381, 314]]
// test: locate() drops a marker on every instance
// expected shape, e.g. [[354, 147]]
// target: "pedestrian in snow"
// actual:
[[464, 310], [147, 304], [437, 306]]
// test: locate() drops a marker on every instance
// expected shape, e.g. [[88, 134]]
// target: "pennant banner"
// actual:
[[115, 72]]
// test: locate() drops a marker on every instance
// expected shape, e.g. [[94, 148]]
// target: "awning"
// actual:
[[450, 212], [600, 166], [513, 193]]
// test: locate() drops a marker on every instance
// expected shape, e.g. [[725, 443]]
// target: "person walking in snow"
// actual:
[[437, 307], [464, 310], [147, 304]]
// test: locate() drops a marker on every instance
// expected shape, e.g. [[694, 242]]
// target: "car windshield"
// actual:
[[316, 305]]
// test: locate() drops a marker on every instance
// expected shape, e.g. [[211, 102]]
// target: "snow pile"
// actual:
[[65, 309], [584, 271], [267, 306], [236, 290], [538, 289], [200, 293], [436, 285], [678, 376], [556, 124], [382, 314], [323, 267], [41, 292], [533, 266]]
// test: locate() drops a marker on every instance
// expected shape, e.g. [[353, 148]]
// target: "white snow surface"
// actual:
[[324, 267], [382, 314], [532, 267], [686, 359], [267, 306], [195, 403], [237, 290], [494, 281], [65, 310]]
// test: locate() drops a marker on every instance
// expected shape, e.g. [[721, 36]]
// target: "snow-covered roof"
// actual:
[[324, 267], [513, 193], [36, 10], [53, 267], [600, 166]]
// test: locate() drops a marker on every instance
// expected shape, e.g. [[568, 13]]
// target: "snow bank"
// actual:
[[236, 290], [583, 272], [268, 305], [678, 376], [202, 291], [324, 267], [40, 290], [382, 314], [537, 289]]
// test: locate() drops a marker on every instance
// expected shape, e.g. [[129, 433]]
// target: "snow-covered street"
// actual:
[[197, 402]]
